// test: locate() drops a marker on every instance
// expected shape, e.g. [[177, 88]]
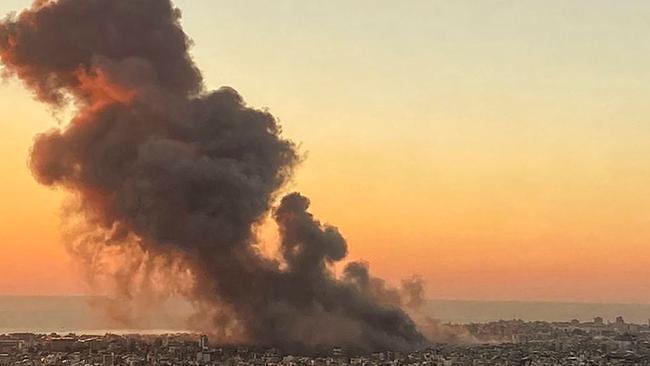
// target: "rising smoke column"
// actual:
[[157, 162]]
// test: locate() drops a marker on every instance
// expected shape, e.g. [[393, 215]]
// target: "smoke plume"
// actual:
[[170, 182]]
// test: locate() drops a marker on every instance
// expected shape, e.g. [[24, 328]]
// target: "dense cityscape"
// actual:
[[512, 342]]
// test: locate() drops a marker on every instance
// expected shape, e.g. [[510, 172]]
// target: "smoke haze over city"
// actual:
[[169, 181]]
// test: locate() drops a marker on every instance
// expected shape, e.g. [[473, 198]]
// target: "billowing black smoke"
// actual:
[[156, 160]]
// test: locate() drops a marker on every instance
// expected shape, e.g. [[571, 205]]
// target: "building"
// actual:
[[108, 359], [11, 345], [62, 344], [203, 342]]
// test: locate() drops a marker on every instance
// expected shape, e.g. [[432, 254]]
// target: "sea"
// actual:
[[80, 314]]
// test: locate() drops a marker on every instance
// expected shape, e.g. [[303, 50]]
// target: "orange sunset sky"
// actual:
[[499, 149]]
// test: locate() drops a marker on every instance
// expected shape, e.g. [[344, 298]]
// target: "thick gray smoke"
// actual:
[[180, 177]]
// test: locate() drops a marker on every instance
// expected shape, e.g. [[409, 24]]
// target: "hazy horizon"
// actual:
[[61, 314]]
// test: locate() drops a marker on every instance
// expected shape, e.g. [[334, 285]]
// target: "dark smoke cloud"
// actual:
[[164, 172]]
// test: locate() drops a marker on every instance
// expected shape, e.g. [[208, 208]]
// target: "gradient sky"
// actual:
[[500, 149]]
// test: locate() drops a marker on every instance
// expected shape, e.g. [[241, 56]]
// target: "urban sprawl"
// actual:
[[506, 343]]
